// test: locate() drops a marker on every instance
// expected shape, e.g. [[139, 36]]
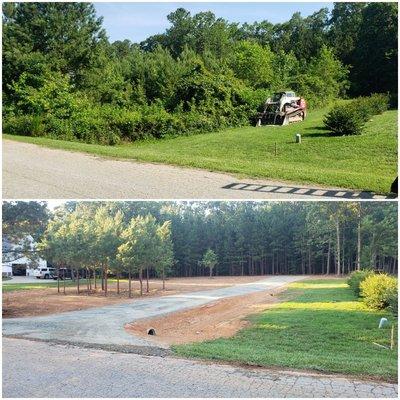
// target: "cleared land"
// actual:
[[366, 162], [322, 326], [222, 318], [104, 326], [21, 300]]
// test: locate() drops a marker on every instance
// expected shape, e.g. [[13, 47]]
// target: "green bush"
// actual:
[[344, 120], [25, 125], [349, 119], [355, 279], [393, 301], [375, 104], [377, 290]]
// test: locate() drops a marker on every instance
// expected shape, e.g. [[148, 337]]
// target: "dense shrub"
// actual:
[[377, 290], [25, 125], [356, 278], [368, 106], [349, 119], [393, 300], [344, 120]]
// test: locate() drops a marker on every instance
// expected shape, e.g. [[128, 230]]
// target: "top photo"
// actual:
[[200, 100]]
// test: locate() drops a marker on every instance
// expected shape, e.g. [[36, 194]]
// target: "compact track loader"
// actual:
[[283, 108]]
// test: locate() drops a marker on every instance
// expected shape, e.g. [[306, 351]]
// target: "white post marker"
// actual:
[[298, 138]]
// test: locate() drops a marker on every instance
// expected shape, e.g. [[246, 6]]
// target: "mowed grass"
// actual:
[[10, 287], [367, 162], [322, 327]]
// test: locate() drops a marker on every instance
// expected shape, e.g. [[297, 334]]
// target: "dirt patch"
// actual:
[[24, 303], [222, 318]]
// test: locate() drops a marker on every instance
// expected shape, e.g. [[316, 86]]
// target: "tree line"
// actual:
[[63, 78], [139, 240]]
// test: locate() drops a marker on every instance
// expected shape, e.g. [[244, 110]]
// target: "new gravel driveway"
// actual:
[[105, 325], [34, 369], [31, 171]]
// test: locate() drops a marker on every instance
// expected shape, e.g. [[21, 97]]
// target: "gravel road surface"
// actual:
[[26, 279], [35, 369], [105, 325], [35, 172]]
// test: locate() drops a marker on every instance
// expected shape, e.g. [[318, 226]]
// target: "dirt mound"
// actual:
[[214, 320]]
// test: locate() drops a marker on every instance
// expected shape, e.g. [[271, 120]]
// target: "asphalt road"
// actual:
[[105, 325], [35, 369], [35, 172]]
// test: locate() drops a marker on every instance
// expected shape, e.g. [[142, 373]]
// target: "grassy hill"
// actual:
[[367, 162]]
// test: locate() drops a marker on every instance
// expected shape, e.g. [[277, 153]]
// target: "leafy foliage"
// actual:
[[349, 119], [344, 119], [64, 79], [378, 290], [355, 279]]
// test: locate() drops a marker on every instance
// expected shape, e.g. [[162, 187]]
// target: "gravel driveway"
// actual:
[[35, 369], [31, 171], [105, 325]]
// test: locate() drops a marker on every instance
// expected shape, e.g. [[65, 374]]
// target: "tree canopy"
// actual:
[[235, 238], [63, 78]]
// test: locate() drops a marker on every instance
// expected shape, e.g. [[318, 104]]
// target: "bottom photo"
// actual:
[[199, 299]]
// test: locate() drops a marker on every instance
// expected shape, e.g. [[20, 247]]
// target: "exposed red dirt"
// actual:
[[214, 320], [23, 303]]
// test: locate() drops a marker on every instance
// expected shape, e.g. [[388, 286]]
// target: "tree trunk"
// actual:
[[58, 280], [64, 279], [337, 247], [141, 281], [328, 260], [105, 282], [163, 278], [118, 283], [102, 278], [130, 284], [343, 249], [94, 277], [77, 274], [147, 280], [87, 280], [210, 272]]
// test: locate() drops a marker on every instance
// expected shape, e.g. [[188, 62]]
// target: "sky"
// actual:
[[138, 21]]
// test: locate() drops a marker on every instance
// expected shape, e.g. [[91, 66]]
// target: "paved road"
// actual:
[[105, 325], [31, 171], [35, 369]]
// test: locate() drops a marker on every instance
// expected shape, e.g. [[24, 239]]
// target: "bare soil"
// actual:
[[24, 303], [222, 318]]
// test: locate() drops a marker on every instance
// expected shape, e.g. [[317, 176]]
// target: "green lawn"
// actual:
[[322, 327], [367, 162], [10, 287]]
